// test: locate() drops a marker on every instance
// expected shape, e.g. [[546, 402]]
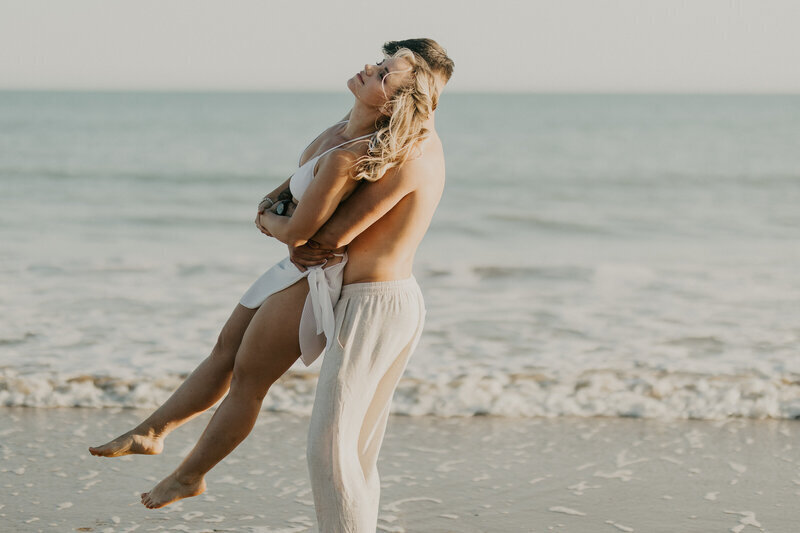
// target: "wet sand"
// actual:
[[480, 474]]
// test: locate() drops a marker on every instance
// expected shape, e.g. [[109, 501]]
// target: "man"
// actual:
[[379, 320]]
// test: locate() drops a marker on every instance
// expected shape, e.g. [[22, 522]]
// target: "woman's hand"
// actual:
[[260, 226], [265, 204], [283, 208]]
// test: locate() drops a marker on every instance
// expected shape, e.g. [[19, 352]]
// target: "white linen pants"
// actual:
[[378, 325]]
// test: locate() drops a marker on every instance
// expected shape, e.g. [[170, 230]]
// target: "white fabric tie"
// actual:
[[324, 288], [319, 290]]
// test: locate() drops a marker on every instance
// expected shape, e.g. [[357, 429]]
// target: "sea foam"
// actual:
[[599, 392]]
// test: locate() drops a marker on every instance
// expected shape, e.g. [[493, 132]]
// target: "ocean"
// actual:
[[593, 255]]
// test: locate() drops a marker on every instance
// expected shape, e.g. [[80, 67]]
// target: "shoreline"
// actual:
[[437, 475], [460, 392]]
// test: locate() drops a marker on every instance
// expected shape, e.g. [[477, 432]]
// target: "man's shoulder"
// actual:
[[426, 164]]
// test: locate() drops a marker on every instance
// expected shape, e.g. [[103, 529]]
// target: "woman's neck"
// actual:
[[361, 122]]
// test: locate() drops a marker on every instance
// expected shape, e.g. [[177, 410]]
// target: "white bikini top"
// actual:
[[303, 176]]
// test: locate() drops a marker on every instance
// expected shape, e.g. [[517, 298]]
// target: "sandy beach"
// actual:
[[460, 475]]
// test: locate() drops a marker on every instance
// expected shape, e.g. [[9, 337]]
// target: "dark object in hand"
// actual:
[[284, 208], [285, 194]]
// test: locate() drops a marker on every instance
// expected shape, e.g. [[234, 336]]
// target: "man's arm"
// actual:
[[363, 208]]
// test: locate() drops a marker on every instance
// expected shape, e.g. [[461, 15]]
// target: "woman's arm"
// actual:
[[331, 184]]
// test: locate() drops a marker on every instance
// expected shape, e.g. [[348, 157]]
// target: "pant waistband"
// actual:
[[380, 287]]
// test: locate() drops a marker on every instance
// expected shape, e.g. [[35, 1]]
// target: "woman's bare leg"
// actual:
[[202, 389], [269, 347]]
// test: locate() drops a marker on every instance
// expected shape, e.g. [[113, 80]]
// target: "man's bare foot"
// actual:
[[170, 490], [130, 443]]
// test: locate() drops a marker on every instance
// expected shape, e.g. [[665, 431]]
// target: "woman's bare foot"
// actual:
[[170, 490], [130, 443]]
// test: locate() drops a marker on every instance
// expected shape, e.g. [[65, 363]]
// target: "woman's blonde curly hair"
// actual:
[[402, 130]]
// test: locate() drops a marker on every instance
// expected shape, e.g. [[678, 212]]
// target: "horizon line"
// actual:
[[662, 92]]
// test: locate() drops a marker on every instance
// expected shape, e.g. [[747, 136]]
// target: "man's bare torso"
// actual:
[[385, 249]]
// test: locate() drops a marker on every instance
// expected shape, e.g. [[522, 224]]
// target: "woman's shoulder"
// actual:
[[319, 140], [339, 161]]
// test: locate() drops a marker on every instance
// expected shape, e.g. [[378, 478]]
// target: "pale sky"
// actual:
[[310, 45]]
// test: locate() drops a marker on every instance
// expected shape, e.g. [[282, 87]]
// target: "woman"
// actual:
[[270, 329]]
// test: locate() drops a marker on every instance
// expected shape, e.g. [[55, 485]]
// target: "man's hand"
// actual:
[[308, 255]]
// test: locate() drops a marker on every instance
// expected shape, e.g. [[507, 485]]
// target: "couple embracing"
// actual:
[[352, 215]]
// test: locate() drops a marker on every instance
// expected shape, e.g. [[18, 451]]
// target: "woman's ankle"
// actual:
[[188, 478], [149, 431]]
